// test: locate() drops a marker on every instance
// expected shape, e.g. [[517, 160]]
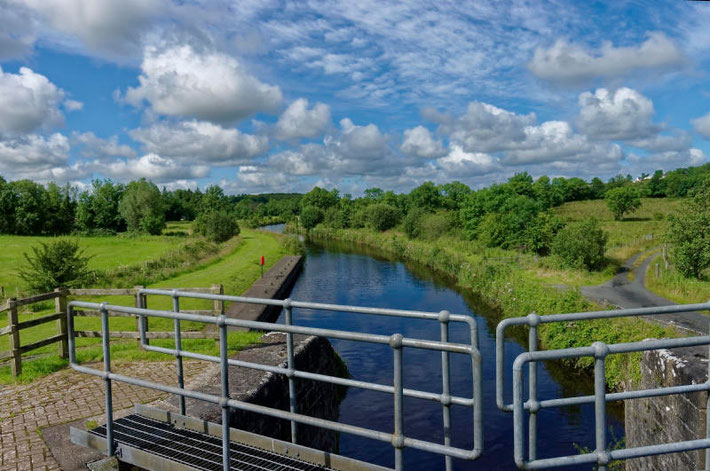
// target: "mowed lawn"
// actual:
[[235, 270]]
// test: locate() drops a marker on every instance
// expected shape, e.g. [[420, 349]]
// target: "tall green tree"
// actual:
[[426, 196], [30, 209], [8, 201], [689, 236], [320, 198], [142, 207], [61, 209], [622, 200], [97, 207]]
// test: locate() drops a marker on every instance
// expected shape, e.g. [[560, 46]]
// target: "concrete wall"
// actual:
[[669, 418]]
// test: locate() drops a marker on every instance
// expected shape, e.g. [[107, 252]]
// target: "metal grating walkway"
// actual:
[[198, 450]]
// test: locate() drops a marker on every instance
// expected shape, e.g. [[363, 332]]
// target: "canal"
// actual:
[[335, 273]]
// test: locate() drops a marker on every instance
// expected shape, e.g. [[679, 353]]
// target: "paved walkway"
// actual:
[[63, 397], [627, 294]]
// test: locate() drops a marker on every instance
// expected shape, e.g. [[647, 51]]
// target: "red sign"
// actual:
[[262, 260]]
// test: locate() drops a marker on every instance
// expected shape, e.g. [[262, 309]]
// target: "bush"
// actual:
[[382, 216], [540, 235], [216, 226], [622, 200], [689, 236], [581, 245], [56, 264], [412, 223], [311, 216]]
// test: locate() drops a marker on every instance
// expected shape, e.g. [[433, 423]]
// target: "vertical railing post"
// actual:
[[70, 335], [107, 369], [224, 400], [446, 386], [707, 416], [14, 338], [141, 321], [398, 435], [60, 305], [178, 351], [533, 321], [218, 305], [291, 367], [600, 352]]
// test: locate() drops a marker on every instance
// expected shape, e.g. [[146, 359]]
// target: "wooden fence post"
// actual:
[[141, 302], [14, 337], [218, 306], [60, 305]]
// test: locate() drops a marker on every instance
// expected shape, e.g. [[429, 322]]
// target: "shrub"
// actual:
[[59, 263], [689, 236], [622, 200], [412, 223], [435, 225], [382, 216], [540, 235], [581, 245], [311, 216], [216, 226]]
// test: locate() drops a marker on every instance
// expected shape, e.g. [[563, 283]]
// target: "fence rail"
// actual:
[[60, 297], [599, 351], [397, 342]]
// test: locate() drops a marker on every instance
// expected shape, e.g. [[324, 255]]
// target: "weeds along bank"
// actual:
[[511, 291]]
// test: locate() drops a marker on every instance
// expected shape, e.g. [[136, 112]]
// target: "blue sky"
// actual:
[[268, 95]]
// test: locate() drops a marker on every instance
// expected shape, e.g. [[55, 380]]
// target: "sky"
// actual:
[[280, 96]]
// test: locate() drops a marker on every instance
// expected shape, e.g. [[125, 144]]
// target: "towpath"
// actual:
[[626, 294]]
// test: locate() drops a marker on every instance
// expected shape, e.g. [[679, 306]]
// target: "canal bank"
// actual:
[[343, 274]]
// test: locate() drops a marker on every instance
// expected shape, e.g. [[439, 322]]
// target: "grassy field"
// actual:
[[236, 267]]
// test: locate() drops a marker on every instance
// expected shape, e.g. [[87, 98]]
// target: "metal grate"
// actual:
[[196, 449]]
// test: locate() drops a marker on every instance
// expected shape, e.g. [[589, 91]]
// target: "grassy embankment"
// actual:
[[150, 261], [517, 284]]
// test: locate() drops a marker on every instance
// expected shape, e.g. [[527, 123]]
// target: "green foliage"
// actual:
[[412, 223], [426, 196], [540, 234], [216, 226], [30, 210], [454, 194], [214, 200], [97, 209], [581, 245], [320, 198], [622, 200], [381, 216], [142, 207], [311, 216], [689, 235], [59, 263], [60, 203]]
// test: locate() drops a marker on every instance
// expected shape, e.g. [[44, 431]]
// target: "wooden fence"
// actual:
[[60, 297]]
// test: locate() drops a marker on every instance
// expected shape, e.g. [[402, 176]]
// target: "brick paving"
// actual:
[[63, 397]]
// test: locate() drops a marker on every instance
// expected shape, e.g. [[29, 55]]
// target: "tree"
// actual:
[[426, 196], [622, 200], [689, 236], [320, 198], [58, 263], [8, 201], [214, 200], [581, 245], [98, 208], [311, 216], [454, 194], [30, 209], [656, 186], [216, 226], [382, 216], [61, 209], [142, 207]]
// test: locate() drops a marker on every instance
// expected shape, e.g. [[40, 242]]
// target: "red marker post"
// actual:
[[262, 266]]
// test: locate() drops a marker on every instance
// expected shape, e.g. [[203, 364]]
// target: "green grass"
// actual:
[[107, 253], [236, 268], [674, 286]]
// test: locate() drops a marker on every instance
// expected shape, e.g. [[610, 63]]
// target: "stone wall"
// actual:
[[669, 418], [314, 398]]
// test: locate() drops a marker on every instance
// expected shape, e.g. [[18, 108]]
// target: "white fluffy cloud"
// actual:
[[702, 125], [28, 101], [571, 63], [200, 141], [666, 160], [485, 128], [180, 81], [622, 114], [96, 147], [297, 121], [106, 25], [460, 164], [19, 30], [33, 156], [419, 142], [151, 166]]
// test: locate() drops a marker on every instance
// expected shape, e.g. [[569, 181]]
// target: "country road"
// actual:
[[625, 294]]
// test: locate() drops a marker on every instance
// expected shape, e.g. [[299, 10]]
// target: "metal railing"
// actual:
[[599, 351], [397, 342]]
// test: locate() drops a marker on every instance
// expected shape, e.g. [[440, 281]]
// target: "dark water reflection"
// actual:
[[335, 273]]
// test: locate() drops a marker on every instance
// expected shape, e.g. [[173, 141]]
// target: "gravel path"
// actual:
[[625, 294]]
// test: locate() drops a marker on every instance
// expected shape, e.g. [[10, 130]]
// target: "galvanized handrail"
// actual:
[[600, 397], [443, 317], [396, 341]]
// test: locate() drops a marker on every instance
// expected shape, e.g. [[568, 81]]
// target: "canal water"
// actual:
[[334, 273]]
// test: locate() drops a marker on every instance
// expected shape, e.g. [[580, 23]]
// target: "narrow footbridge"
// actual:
[[156, 439]]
